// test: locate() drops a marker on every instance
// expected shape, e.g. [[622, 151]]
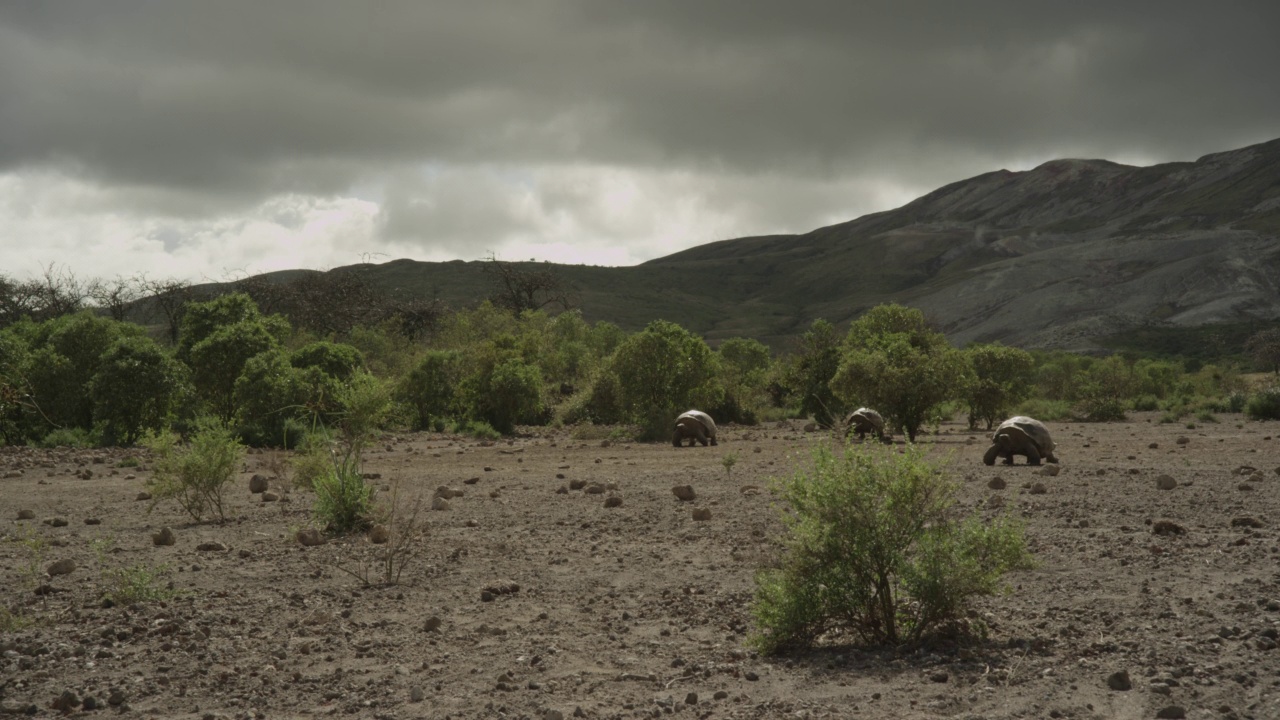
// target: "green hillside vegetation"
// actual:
[[84, 378]]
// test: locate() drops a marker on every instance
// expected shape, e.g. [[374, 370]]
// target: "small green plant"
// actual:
[[1191, 426], [129, 462], [344, 500], [72, 437], [1045, 410], [728, 461], [196, 474], [1146, 403], [478, 429], [1206, 416], [400, 521], [1170, 417], [12, 620], [875, 550], [1264, 405], [135, 584], [34, 547]]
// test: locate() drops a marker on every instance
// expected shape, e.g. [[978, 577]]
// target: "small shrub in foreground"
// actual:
[[135, 584], [196, 474], [875, 550]]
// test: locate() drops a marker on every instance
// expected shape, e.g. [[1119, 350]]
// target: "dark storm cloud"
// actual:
[[230, 93], [758, 115]]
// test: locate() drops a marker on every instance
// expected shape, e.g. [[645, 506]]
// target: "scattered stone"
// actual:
[[1167, 527], [1050, 470], [144, 495], [691, 699], [66, 702], [1172, 712], [1154, 446], [939, 676], [997, 483], [811, 427], [751, 676], [684, 492], [379, 534], [310, 537], [995, 502], [212, 546], [555, 715], [56, 521], [117, 698], [163, 536], [12, 474], [502, 587], [432, 624], [1120, 681], [720, 695], [1244, 487], [577, 484], [595, 489], [702, 514], [439, 503], [93, 521], [1249, 522], [613, 501], [61, 567], [1039, 489], [244, 554], [471, 480], [1183, 440], [416, 694], [1166, 482], [89, 703], [258, 484], [486, 596], [562, 490], [26, 514], [269, 496]]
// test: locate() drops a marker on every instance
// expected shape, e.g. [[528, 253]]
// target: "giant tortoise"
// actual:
[[865, 420], [1021, 436], [695, 425]]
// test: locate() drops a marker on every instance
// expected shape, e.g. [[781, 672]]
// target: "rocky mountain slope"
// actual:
[[1057, 256]]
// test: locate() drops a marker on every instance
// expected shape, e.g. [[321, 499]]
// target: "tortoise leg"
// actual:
[[700, 435], [677, 437], [713, 439], [993, 452], [1033, 455]]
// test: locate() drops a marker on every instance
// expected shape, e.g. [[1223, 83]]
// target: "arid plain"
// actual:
[[533, 595]]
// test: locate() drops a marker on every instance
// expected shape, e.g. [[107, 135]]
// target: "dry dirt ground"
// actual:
[[639, 610]]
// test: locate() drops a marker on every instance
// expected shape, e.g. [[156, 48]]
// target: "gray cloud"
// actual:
[[208, 110]]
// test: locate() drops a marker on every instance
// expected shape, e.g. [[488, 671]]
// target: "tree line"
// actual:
[[109, 362]]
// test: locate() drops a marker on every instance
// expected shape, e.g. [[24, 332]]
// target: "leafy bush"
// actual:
[[477, 429], [1206, 416], [1001, 379], [514, 395], [894, 363], [1146, 403], [135, 388], [874, 549], [430, 389], [194, 475], [1264, 405], [344, 501], [810, 372], [337, 360], [69, 437], [218, 360], [663, 371]]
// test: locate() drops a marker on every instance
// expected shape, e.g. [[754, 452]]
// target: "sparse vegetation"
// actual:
[[195, 475], [875, 552], [1265, 404]]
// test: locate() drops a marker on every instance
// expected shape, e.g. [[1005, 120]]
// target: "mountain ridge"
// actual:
[[1057, 256]]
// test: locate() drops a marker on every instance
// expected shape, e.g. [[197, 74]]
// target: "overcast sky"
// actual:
[[207, 140]]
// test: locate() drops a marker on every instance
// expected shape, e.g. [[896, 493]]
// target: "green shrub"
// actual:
[[1170, 417], [893, 362], [337, 360], [135, 584], [1206, 416], [874, 549], [1146, 403], [343, 499], [1045, 410], [313, 459], [135, 388], [1264, 405], [431, 387], [1098, 406], [477, 429], [69, 437], [663, 371], [195, 475], [1001, 378]]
